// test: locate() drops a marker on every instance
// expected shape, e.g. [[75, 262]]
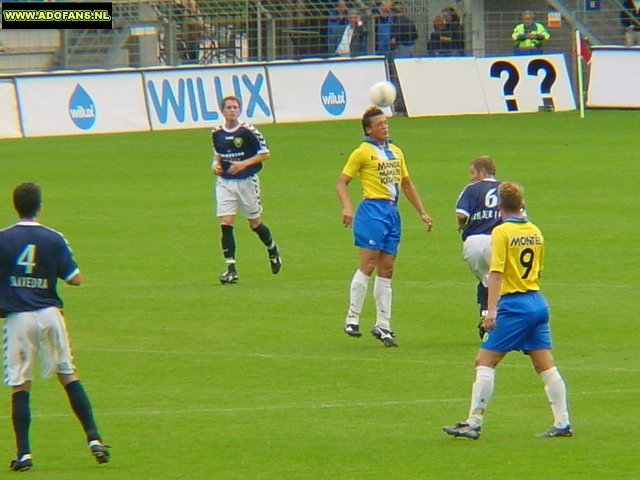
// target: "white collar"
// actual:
[[231, 130]]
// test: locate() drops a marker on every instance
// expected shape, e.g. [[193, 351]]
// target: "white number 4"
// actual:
[[27, 258]]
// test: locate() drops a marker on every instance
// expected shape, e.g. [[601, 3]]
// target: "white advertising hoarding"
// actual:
[[9, 118], [614, 77], [524, 83], [454, 86], [82, 104], [323, 90], [441, 86], [189, 97]]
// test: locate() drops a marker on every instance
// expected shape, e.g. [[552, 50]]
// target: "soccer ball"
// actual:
[[382, 94]]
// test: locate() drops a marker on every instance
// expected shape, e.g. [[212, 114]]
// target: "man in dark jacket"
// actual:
[[337, 22], [403, 35], [352, 40]]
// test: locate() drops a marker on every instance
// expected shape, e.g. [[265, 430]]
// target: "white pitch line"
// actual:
[[454, 283], [319, 406], [350, 359], [425, 284]]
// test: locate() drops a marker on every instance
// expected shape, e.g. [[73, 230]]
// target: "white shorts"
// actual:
[[243, 193], [476, 251], [27, 334]]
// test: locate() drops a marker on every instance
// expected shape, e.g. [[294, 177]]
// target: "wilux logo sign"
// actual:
[[333, 95], [195, 98], [82, 108]]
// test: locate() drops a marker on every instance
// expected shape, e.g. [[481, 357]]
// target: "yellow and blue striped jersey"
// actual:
[[517, 251], [381, 170]]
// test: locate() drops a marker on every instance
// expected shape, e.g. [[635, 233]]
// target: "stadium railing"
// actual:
[[176, 32]]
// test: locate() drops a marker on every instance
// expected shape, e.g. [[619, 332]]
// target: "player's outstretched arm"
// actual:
[[462, 220], [75, 280], [343, 195], [495, 284], [414, 198]]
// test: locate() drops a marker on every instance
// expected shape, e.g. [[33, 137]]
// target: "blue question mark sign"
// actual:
[[513, 77]]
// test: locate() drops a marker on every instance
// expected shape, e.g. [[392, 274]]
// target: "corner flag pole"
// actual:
[[580, 76]]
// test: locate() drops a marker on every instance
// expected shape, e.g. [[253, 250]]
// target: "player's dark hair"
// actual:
[[511, 196], [485, 163], [27, 199], [230, 98], [368, 115]]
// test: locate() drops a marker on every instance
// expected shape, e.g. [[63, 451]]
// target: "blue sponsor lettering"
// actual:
[[255, 99], [191, 98], [207, 115], [162, 106], [217, 82]]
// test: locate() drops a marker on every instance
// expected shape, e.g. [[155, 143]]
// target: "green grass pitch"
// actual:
[[256, 381]]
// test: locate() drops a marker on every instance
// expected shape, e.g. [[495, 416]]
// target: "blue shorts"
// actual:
[[522, 323], [377, 226]]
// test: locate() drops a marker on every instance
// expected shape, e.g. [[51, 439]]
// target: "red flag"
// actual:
[[585, 50]]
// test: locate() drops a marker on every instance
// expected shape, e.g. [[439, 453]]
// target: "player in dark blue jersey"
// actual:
[[238, 152], [477, 214], [32, 258]]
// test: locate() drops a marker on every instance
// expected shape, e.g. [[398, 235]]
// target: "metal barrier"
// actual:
[[175, 32]]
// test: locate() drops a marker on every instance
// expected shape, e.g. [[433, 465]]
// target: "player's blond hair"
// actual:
[[485, 163], [511, 196]]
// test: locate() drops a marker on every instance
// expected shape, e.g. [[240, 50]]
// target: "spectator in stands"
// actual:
[[529, 35], [305, 31], [338, 20], [404, 34], [630, 19], [435, 45], [383, 16], [353, 39], [452, 36], [192, 30]]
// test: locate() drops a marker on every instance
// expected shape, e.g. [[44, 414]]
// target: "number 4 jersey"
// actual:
[[517, 250], [32, 258]]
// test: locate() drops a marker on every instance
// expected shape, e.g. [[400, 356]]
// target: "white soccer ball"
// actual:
[[382, 94]]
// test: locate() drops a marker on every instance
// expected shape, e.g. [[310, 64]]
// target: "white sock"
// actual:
[[382, 294], [556, 392], [481, 394], [357, 294]]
